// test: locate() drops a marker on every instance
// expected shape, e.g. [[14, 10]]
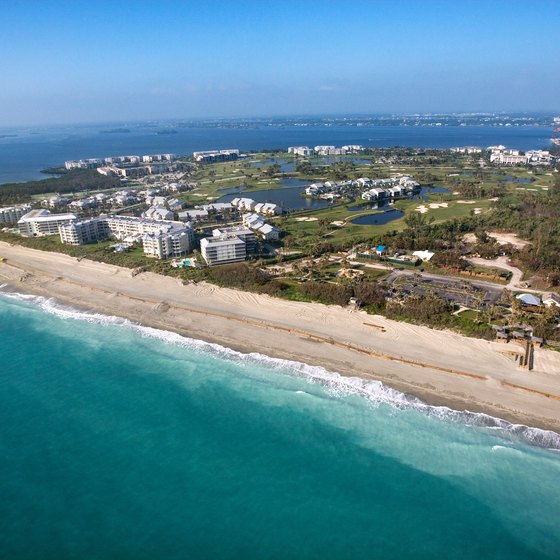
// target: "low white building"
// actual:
[[194, 215], [158, 213], [244, 204], [374, 194], [253, 221], [269, 232], [174, 204], [423, 255]]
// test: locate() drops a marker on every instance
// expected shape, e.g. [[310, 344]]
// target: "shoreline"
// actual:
[[471, 374]]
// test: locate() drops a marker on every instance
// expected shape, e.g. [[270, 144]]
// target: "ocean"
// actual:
[[24, 152], [122, 441]]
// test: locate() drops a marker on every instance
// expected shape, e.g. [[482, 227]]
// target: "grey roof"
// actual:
[[528, 299]]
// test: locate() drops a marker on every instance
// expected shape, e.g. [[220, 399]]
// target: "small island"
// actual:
[[116, 131]]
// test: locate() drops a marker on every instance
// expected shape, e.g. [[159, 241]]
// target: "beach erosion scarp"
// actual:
[[440, 367]]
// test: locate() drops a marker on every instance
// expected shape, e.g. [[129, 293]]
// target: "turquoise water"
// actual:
[[119, 441]]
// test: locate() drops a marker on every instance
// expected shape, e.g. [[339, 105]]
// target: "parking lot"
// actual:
[[468, 293]]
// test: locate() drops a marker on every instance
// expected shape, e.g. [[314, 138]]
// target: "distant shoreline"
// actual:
[[21, 160]]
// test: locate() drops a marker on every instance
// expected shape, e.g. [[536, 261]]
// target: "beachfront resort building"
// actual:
[[244, 233], [9, 216], [223, 249], [162, 239], [41, 222], [168, 243]]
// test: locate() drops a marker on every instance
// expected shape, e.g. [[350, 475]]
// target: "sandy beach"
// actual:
[[442, 368]]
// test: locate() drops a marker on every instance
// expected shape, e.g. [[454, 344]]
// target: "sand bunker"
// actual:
[[433, 206]]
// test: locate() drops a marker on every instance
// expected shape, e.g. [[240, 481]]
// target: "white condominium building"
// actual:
[[168, 244], [244, 233], [41, 222], [161, 239], [11, 215], [86, 231], [212, 156], [227, 248], [301, 150]]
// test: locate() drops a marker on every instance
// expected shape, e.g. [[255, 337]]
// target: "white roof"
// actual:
[[424, 255]]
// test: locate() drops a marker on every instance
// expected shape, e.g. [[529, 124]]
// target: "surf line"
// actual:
[[305, 334]]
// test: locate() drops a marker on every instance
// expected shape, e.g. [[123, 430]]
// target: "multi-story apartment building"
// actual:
[[167, 244], [85, 231], [244, 233], [9, 216], [223, 249], [41, 222], [213, 156], [161, 239]]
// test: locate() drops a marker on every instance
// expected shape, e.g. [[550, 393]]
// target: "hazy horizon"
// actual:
[[74, 62]]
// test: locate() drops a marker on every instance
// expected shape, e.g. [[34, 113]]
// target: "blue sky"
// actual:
[[99, 61]]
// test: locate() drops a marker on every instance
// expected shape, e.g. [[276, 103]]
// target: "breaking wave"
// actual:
[[338, 385]]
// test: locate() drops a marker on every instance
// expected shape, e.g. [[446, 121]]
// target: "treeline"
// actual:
[[535, 217], [73, 181]]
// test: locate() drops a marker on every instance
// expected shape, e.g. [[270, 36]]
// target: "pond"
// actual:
[[511, 179], [288, 198], [428, 189], [378, 218], [232, 190]]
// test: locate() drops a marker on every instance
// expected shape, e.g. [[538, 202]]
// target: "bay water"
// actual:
[[122, 441], [24, 152]]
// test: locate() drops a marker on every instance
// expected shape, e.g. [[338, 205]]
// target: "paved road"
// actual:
[[501, 262], [517, 274]]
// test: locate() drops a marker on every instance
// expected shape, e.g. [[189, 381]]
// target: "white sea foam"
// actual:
[[338, 385]]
